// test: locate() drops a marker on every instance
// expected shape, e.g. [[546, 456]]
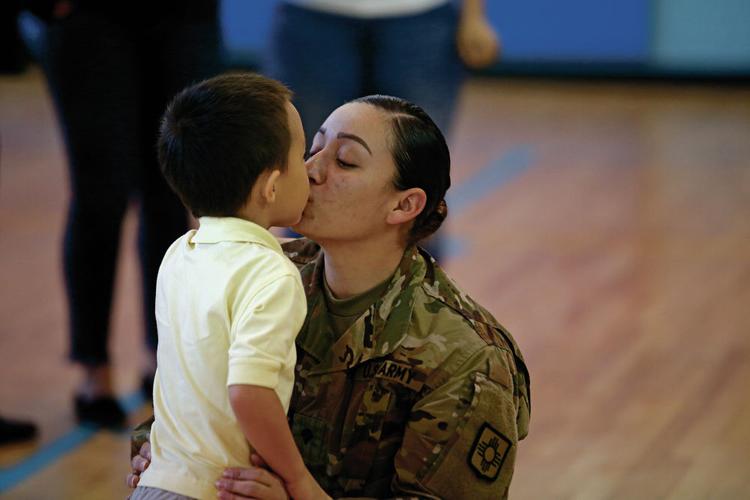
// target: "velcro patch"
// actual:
[[488, 453]]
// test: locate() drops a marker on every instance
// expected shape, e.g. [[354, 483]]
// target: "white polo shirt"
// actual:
[[371, 9], [229, 305]]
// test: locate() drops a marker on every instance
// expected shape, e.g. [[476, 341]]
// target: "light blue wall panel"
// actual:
[[702, 34]]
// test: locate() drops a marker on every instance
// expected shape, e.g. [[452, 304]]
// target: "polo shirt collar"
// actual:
[[221, 229]]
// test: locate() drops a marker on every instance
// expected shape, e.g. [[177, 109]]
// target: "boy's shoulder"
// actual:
[[177, 244]]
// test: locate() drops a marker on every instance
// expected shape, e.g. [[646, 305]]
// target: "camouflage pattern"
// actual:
[[140, 435], [425, 395]]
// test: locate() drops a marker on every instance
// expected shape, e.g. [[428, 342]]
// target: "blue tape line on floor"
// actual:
[[488, 180], [49, 453]]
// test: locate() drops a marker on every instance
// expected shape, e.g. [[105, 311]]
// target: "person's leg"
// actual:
[[13, 57], [16, 431], [318, 55], [176, 53], [415, 58], [90, 66]]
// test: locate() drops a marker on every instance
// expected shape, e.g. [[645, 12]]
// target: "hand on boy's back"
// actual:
[[138, 464], [251, 482]]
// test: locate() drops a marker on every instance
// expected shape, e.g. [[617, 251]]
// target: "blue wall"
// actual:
[[247, 28], [572, 31], [704, 36], [708, 37]]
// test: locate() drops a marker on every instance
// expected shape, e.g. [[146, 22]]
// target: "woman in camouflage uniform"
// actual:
[[404, 385]]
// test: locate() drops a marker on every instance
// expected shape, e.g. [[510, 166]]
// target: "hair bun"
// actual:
[[441, 209], [431, 222]]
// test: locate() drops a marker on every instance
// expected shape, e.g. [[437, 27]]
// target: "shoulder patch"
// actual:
[[488, 453]]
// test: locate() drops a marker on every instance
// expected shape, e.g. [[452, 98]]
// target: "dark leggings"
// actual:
[[111, 80]]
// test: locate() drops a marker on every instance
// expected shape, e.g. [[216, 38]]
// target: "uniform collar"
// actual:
[[378, 332], [220, 229]]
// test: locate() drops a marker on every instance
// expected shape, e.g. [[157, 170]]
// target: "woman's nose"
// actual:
[[315, 169]]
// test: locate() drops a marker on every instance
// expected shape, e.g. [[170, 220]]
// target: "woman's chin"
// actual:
[[299, 227]]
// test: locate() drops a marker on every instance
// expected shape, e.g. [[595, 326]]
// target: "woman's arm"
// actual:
[[236, 483], [254, 482], [461, 439]]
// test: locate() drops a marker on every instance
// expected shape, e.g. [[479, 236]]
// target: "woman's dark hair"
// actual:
[[219, 135], [422, 159]]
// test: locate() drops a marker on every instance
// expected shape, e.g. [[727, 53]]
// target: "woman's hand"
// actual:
[[477, 41], [138, 464], [253, 482]]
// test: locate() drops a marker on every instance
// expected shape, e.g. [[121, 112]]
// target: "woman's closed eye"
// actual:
[[345, 164]]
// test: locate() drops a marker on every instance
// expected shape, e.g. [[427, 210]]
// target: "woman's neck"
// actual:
[[353, 268]]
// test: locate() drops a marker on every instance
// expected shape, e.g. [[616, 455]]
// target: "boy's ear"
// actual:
[[268, 185], [410, 203]]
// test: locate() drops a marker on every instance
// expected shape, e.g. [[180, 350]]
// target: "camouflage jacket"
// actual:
[[425, 395]]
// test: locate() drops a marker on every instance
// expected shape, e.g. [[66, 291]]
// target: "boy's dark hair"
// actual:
[[422, 159], [219, 135]]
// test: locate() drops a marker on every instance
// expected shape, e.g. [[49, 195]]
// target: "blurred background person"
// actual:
[[16, 431], [13, 57], [111, 69], [332, 51]]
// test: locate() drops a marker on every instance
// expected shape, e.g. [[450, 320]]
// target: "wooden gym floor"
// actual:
[[606, 225]]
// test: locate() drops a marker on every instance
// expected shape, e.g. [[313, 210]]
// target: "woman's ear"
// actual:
[[410, 204], [268, 185]]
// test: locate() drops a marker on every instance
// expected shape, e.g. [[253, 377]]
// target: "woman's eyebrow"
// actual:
[[344, 135]]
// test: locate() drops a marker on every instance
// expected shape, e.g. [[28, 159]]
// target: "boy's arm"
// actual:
[[265, 322], [263, 421]]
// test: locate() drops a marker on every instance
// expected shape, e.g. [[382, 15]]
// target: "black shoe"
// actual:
[[103, 411], [147, 387], [14, 431]]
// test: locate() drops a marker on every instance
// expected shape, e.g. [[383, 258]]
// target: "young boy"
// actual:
[[229, 304]]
